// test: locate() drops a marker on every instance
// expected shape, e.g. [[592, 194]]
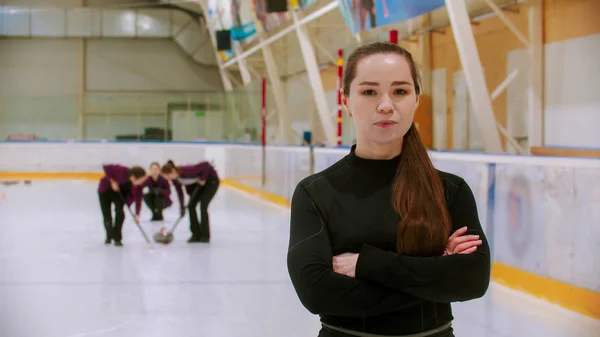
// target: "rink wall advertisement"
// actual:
[[540, 215], [362, 15]]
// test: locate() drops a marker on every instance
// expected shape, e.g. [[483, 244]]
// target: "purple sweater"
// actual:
[[118, 173], [162, 183], [200, 171]]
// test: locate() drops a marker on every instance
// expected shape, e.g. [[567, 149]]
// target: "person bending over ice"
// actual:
[[118, 187], [203, 178]]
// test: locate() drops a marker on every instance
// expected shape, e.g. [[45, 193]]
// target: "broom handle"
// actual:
[[137, 223]]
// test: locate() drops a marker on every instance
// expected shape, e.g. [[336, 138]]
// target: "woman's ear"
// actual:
[[416, 104], [345, 103]]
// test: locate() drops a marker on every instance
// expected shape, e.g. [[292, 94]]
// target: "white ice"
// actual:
[[58, 279]]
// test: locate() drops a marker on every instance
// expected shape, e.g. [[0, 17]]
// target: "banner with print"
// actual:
[[306, 3], [235, 15], [362, 15], [269, 21]]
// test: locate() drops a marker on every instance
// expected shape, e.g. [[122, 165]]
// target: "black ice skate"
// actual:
[[157, 216], [199, 239]]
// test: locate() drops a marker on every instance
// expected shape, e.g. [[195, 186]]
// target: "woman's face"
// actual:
[[382, 99], [137, 181], [155, 171], [172, 176]]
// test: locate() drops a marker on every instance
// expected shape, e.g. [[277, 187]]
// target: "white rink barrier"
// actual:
[[541, 214]]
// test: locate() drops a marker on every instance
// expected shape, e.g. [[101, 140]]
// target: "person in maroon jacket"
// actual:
[[158, 196], [201, 177], [117, 187]]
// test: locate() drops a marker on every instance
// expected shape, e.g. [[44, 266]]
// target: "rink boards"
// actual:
[[541, 214]]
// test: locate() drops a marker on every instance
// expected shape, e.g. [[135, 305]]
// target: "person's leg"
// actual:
[[105, 205], [149, 199], [193, 202], [160, 203], [119, 219], [210, 189]]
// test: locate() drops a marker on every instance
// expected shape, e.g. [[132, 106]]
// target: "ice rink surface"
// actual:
[[58, 279]]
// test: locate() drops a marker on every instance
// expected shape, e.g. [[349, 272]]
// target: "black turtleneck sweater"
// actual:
[[347, 208]]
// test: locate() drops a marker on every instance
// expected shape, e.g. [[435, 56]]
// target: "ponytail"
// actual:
[[418, 197]]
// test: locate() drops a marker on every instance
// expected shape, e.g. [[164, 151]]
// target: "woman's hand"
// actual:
[[462, 244], [114, 185], [345, 264], [201, 182]]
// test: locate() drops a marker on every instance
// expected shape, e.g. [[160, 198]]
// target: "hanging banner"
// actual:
[[306, 3], [234, 15], [362, 15], [269, 21], [242, 27]]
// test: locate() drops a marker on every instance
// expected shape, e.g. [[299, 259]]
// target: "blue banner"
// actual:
[[306, 3], [363, 15]]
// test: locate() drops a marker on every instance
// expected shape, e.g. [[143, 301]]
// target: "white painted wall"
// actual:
[[571, 97], [39, 85], [572, 94], [145, 65]]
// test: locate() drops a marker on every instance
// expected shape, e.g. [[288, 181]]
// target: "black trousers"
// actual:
[[107, 199], [155, 202], [201, 229]]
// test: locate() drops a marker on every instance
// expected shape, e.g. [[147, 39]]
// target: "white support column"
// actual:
[[316, 84], [536, 75], [211, 32], [502, 130], [283, 117], [246, 78], [471, 65]]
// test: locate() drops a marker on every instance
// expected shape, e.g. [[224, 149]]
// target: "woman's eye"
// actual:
[[400, 92], [369, 92]]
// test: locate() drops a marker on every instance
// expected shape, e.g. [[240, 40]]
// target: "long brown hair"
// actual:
[[169, 167], [137, 172], [418, 193]]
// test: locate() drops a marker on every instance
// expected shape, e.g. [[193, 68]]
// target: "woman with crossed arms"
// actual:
[[381, 243]]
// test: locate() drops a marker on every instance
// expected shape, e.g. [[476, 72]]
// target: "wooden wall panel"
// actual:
[[570, 19]]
